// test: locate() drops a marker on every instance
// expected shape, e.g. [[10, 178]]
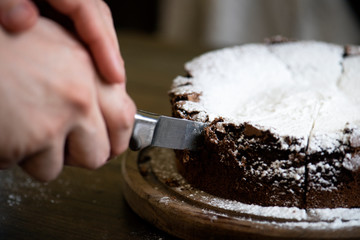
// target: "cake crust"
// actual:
[[305, 155]]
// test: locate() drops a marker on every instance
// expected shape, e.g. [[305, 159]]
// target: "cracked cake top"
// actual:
[[308, 91]]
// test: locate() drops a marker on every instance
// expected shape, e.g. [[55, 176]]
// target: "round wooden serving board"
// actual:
[[157, 192]]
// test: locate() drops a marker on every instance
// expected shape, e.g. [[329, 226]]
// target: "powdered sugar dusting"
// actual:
[[14, 200], [276, 169], [164, 168], [322, 175], [17, 186], [306, 90], [352, 161], [164, 200]]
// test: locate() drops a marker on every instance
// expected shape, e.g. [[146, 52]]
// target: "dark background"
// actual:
[[139, 15], [142, 15], [355, 7]]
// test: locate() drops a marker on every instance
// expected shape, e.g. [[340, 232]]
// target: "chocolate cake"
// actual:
[[283, 123]]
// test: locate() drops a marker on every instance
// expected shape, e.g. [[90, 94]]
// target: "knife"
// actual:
[[167, 132]]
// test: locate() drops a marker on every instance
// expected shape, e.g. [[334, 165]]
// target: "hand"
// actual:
[[93, 23], [54, 107]]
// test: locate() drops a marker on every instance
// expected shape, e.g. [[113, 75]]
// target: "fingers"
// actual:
[[119, 112], [106, 15], [47, 164], [93, 22], [87, 144], [17, 15]]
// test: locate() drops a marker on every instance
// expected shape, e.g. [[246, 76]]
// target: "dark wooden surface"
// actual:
[[83, 204]]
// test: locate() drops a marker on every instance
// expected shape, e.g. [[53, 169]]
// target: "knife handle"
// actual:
[[143, 130]]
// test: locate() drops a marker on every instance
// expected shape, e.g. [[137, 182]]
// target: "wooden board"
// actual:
[[156, 192]]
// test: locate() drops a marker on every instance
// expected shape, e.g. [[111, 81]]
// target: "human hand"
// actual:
[[92, 20], [54, 108]]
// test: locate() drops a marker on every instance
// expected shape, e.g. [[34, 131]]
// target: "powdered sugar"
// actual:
[[13, 200], [164, 200], [293, 175], [352, 161], [163, 166], [306, 90], [16, 186]]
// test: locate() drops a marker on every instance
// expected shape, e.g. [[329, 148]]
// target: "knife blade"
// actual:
[[167, 132]]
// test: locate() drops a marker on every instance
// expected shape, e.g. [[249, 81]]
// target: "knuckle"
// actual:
[[126, 120], [128, 113], [123, 120], [99, 160], [80, 96], [89, 161], [81, 100], [119, 148], [78, 89], [51, 129], [121, 116]]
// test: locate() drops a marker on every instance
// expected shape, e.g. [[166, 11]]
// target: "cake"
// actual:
[[283, 123]]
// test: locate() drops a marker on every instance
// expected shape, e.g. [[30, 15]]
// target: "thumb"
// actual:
[[17, 15]]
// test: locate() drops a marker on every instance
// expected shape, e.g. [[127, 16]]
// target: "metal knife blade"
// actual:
[[162, 131]]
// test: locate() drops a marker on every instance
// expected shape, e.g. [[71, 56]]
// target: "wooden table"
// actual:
[[83, 204]]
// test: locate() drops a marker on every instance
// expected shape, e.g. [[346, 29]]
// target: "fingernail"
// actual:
[[17, 13]]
